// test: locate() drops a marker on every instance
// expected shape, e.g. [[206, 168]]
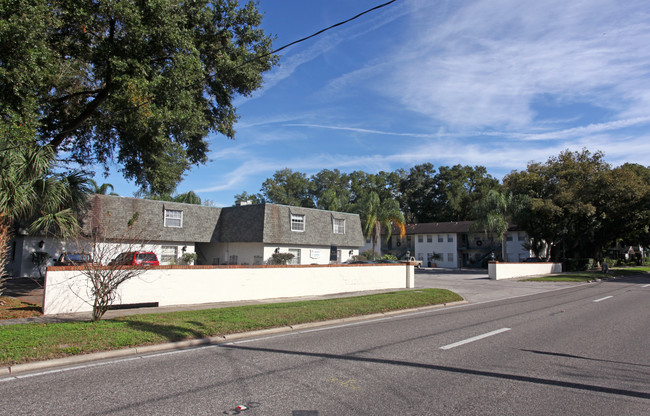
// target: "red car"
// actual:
[[137, 258]]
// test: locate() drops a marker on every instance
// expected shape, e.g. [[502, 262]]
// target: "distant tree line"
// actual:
[[575, 202]]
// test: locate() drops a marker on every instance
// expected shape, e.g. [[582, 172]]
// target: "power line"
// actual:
[[320, 31], [333, 26]]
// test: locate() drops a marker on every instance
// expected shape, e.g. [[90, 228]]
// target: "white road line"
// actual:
[[646, 285], [476, 338], [606, 297]]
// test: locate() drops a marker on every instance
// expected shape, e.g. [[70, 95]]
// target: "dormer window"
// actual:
[[173, 218], [297, 222], [338, 226]]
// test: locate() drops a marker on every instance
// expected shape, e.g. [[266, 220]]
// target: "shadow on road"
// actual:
[[467, 371]]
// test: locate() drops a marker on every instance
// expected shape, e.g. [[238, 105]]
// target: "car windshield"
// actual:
[[76, 257], [146, 257]]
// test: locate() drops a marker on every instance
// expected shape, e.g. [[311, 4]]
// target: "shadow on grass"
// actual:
[[28, 308], [171, 332]]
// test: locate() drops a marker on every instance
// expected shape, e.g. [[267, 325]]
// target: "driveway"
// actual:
[[475, 286]]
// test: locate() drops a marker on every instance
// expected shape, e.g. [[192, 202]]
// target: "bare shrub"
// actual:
[[104, 274]]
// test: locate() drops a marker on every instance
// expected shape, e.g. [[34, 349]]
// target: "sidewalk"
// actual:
[[473, 285], [29, 291]]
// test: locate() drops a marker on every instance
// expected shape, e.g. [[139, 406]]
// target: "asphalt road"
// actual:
[[582, 350]]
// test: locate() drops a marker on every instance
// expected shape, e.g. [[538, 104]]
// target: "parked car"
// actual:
[[136, 258], [418, 263], [532, 260], [72, 259]]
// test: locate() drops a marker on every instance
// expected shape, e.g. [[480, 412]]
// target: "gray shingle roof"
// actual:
[[112, 214], [267, 223]]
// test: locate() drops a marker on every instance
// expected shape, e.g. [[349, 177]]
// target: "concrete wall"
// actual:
[[67, 291], [498, 270]]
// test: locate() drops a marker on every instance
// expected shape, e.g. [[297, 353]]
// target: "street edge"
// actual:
[[219, 339]]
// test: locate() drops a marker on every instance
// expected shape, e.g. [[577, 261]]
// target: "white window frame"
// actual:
[[450, 238], [171, 216], [420, 238], [441, 238], [168, 254], [338, 226], [450, 257], [296, 256], [298, 223]]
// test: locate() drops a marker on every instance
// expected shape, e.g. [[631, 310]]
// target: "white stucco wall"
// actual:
[[444, 248], [66, 289], [498, 270], [513, 250], [21, 264]]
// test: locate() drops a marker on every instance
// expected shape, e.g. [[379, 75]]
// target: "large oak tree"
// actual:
[[139, 83]]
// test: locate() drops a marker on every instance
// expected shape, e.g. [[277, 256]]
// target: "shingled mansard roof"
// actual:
[[265, 223]]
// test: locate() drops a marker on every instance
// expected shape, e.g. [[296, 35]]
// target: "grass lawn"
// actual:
[[37, 342], [11, 308], [591, 275]]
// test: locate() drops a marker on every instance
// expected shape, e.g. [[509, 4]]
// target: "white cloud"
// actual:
[[488, 60]]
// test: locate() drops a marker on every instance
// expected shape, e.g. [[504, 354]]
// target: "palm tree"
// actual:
[[101, 189], [494, 211], [189, 197], [377, 215], [32, 195]]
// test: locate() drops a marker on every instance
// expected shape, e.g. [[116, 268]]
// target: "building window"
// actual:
[[257, 260], [450, 257], [441, 238], [508, 237], [168, 254], [420, 238], [429, 238], [296, 256], [297, 222], [173, 218], [233, 259], [339, 226], [450, 238]]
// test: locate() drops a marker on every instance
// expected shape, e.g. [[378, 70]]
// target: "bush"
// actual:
[[188, 258], [281, 258], [578, 265], [367, 255], [389, 257]]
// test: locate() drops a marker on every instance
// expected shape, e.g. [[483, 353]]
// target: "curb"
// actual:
[[219, 339]]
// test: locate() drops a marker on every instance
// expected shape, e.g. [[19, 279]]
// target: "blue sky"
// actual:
[[495, 83]]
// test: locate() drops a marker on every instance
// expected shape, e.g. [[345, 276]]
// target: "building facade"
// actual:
[[241, 235], [454, 245]]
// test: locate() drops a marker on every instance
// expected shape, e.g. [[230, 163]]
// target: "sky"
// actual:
[[496, 83]]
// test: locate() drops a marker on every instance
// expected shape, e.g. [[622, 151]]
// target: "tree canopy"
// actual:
[[580, 206], [141, 84]]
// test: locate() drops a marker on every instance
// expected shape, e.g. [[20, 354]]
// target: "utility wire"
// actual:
[[319, 32]]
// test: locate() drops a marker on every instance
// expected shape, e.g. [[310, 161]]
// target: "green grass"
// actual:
[[591, 275], [37, 342]]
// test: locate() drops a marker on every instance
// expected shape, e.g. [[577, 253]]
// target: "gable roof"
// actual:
[[439, 227]]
